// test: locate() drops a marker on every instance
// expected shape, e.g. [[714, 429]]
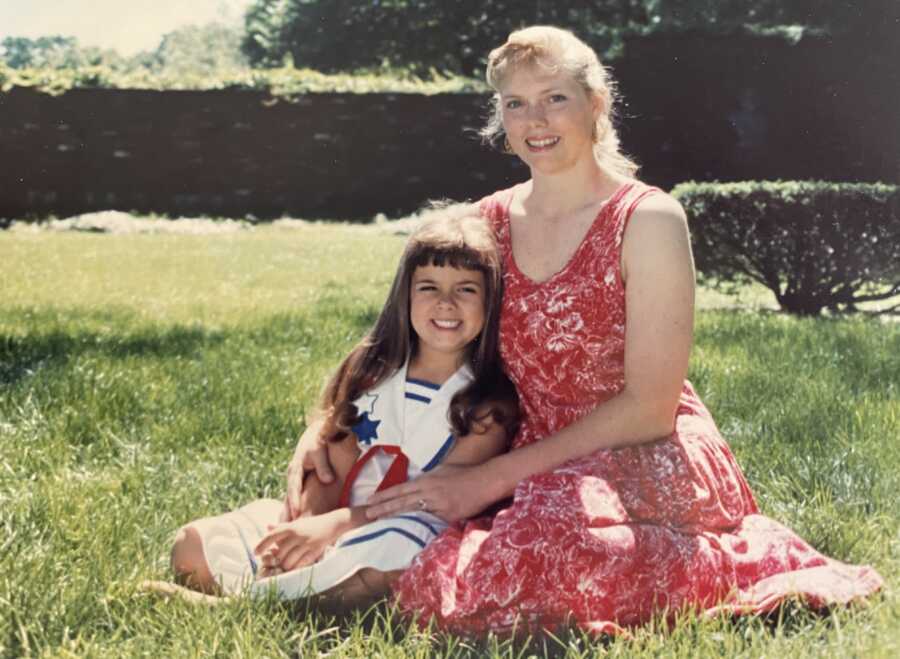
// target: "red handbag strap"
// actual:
[[396, 473]]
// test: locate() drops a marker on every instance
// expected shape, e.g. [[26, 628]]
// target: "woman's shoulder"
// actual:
[[656, 205], [657, 231], [494, 206]]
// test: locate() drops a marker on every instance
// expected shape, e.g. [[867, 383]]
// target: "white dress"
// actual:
[[401, 412]]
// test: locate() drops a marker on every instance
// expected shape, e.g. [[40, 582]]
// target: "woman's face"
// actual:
[[548, 117]]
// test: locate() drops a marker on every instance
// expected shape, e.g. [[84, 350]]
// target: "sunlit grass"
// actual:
[[149, 379]]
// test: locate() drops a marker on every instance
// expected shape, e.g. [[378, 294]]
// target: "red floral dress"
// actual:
[[607, 540]]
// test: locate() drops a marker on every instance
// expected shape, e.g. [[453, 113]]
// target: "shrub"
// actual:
[[286, 82], [817, 245]]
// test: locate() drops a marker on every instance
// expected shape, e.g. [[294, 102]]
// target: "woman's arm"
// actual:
[[659, 275], [486, 439], [310, 461]]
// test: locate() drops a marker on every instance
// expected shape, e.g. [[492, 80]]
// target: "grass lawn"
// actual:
[[149, 379]]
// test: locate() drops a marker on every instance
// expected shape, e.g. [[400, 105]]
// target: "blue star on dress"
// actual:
[[366, 429]]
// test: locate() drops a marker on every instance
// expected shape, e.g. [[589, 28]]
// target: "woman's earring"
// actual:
[[507, 147]]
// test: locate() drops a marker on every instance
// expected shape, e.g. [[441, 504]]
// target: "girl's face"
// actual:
[[548, 117], [446, 308]]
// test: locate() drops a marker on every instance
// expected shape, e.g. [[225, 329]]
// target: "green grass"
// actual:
[[149, 379]]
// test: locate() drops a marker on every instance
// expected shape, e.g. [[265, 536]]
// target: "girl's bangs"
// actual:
[[464, 258]]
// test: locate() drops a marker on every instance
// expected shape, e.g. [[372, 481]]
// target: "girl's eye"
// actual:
[[425, 287], [557, 98], [513, 104], [468, 289]]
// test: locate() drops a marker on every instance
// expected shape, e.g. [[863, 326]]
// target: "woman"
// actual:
[[625, 499]]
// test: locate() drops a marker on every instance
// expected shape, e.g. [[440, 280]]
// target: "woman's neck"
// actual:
[[561, 194]]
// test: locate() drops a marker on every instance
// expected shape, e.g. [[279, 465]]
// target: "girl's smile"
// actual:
[[446, 309]]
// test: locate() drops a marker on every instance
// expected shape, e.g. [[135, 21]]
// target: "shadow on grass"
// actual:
[[793, 618], [53, 338]]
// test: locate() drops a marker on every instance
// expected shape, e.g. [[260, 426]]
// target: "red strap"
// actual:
[[396, 473]]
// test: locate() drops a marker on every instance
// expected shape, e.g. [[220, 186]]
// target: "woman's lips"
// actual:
[[541, 143]]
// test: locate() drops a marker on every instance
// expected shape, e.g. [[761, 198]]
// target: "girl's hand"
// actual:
[[296, 544], [451, 492], [311, 454]]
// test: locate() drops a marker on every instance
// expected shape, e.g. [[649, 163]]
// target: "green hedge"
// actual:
[[817, 245], [286, 81]]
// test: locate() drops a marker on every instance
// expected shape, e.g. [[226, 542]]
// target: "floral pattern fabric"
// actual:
[[607, 540]]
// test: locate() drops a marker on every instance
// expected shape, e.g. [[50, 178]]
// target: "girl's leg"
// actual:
[[188, 558], [361, 590]]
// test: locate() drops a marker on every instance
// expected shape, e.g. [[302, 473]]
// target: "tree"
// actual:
[[199, 50], [55, 52], [332, 35], [43, 52]]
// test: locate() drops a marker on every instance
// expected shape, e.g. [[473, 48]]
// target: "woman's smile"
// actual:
[[538, 144], [548, 117]]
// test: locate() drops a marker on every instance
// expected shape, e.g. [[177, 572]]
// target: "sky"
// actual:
[[128, 26]]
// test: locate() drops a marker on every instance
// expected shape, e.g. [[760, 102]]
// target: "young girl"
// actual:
[[423, 388]]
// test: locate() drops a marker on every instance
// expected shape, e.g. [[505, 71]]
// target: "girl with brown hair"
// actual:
[[423, 390]]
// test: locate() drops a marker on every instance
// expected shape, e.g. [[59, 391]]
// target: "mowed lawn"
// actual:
[[149, 379]]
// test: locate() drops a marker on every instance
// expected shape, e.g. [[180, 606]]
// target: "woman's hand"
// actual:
[[450, 492], [311, 454]]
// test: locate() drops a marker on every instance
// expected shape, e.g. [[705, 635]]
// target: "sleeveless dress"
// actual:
[[403, 432], [608, 540]]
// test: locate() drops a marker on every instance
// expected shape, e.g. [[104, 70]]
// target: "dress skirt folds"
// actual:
[[609, 540]]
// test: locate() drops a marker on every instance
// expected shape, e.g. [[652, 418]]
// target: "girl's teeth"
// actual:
[[447, 324]]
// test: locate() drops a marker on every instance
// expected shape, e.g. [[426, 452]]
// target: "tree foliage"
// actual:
[[454, 36], [54, 52], [200, 49], [816, 245], [332, 35], [187, 51]]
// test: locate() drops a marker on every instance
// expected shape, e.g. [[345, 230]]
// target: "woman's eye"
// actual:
[[557, 98], [513, 104]]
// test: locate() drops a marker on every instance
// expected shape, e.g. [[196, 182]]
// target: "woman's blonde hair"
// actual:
[[554, 48]]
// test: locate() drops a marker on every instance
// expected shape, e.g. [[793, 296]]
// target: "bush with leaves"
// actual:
[[816, 245], [328, 35]]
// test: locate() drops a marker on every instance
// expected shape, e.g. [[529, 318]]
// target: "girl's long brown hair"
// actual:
[[454, 236]]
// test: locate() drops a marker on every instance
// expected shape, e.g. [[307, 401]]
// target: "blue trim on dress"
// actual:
[[413, 518], [377, 534], [424, 383], [440, 455], [253, 565], [417, 397]]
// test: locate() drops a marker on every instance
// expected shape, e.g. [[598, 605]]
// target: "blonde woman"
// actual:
[[624, 500]]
